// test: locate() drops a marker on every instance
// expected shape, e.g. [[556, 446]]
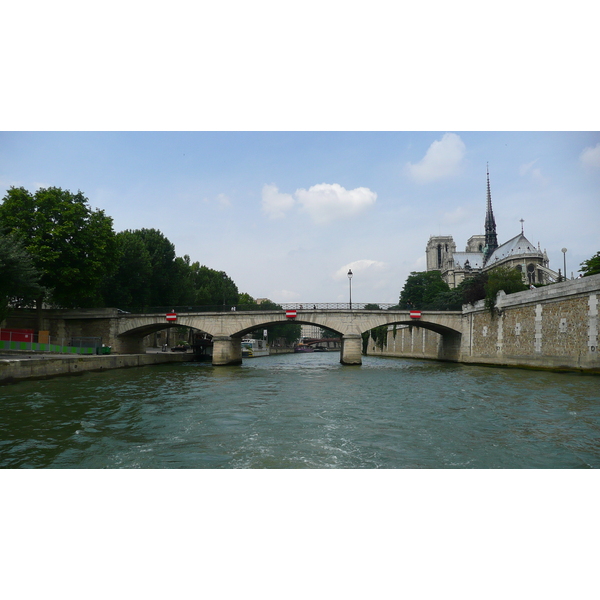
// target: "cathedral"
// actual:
[[483, 253]]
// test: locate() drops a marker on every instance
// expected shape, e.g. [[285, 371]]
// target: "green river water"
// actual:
[[304, 412]]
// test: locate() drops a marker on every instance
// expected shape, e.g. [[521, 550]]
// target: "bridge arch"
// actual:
[[228, 328], [131, 340]]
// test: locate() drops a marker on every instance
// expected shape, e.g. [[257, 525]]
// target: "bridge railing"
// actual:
[[300, 306], [26, 341]]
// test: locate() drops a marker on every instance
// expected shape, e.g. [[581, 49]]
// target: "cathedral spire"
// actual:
[[491, 239]]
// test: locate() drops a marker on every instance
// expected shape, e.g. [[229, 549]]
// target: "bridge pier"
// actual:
[[227, 350], [351, 353], [128, 345]]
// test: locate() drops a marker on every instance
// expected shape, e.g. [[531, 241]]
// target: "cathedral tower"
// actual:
[[491, 239]]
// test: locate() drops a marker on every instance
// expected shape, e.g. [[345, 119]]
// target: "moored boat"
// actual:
[[303, 348], [254, 348]]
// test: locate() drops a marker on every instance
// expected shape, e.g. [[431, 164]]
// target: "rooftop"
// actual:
[[514, 247]]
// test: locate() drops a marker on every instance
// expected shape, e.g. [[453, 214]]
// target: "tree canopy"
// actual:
[[129, 285], [148, 273], [421, 290], [591, 266], [507, 279], [72, 246], [19, 279], [428, 291]]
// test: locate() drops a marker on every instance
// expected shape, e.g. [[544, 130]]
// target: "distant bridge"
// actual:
[[322, 342], [228, 327]]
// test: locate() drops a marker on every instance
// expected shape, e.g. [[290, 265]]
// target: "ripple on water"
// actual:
[[304, 412]]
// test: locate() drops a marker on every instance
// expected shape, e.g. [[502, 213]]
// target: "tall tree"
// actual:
[[211, 287], [507, 279], [129, 286], [71, 245], [163, 282], [421, 289], [19, 279], [473, 288]]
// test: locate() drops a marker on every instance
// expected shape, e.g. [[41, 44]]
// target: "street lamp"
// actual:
[[564, 251], [350, 283]]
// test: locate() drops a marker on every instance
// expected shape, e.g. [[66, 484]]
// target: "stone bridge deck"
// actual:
[[228, 328]]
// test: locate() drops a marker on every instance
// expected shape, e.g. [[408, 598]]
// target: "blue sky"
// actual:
[[286, 214], [285, 146]]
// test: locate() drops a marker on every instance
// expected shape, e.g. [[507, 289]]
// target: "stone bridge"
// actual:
[[228, 328]]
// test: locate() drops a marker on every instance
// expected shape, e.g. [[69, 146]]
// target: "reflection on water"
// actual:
[[304, 411]]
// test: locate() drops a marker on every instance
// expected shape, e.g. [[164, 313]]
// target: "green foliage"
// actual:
[[591, 266], [507, 279], [372, 307], [473, 288], [421, 290], [163, 282], [212, 288], [129, 285], [450, 299], [379, 335], [73, 247], [246, 302], [18, 277], [149, 273]]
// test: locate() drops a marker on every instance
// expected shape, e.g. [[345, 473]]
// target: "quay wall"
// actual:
[[17, 368], [407, 341], [552, 327]]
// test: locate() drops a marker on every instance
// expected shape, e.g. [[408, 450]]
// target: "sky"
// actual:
[[287, 146], [287, 214]]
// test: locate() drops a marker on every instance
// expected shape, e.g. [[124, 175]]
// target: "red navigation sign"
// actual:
[[415, 314], [290, 314], [171, 317]]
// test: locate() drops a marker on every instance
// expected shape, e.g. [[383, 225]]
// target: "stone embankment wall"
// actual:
[[409, 341], [66, 324], [18, 368], [552, 327]]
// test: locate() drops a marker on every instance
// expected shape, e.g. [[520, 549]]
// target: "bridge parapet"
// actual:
[[220, 308]]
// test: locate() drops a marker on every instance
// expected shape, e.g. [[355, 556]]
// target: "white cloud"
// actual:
[[275, 204], [360, 267], [528, 169], [443, 159], [590, 157], [223, 201], [326, 202]]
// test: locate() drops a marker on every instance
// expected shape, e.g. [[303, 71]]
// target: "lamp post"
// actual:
[[350, 283], [564, 251]]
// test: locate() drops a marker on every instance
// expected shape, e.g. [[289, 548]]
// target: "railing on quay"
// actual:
[[303, 306], [27, 341]]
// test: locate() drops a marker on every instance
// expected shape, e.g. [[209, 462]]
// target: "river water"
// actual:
[[304, 412]]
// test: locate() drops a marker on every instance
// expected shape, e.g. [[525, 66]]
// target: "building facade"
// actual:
[[482, 253]]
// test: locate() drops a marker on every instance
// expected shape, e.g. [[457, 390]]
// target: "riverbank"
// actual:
[[19, 367]]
